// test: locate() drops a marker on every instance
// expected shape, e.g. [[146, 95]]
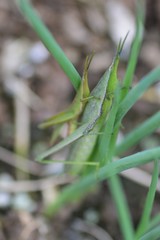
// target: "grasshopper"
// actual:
[[93, 119], [72, 113]]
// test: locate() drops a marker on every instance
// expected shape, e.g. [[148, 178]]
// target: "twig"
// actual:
[[34, 185], [22, 126], [19, 162], [91, 229]]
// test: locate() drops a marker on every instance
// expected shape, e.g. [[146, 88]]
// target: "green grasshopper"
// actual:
[[93, 119], [72, 113]]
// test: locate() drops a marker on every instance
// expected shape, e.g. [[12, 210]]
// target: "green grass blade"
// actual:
[[154, 221], [106, 147], [143, 130], [122, 208], [104, 139], [144, 223], [80, 187], [49, 41], [127, 81], [154, 234], [136, 93]]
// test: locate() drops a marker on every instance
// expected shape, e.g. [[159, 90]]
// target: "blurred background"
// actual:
[[33, 88]]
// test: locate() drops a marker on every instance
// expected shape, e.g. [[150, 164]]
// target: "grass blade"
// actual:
[[106, 147], [122, 208], [49, 41], [143, 130], [136, 93], [104, 140], [154, 234], [154, 221], [74, 191], [127, 81], [143, 225]]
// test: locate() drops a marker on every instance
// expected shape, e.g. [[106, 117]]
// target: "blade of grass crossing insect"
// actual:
[[127, 81], [144, 222], [104, 139], [143, 130], [114, 182], [154, 234], [122, 208], [136, 93], [80, 187], [49, 41]]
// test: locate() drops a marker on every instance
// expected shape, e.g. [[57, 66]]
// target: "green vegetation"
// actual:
[[100, 129]]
